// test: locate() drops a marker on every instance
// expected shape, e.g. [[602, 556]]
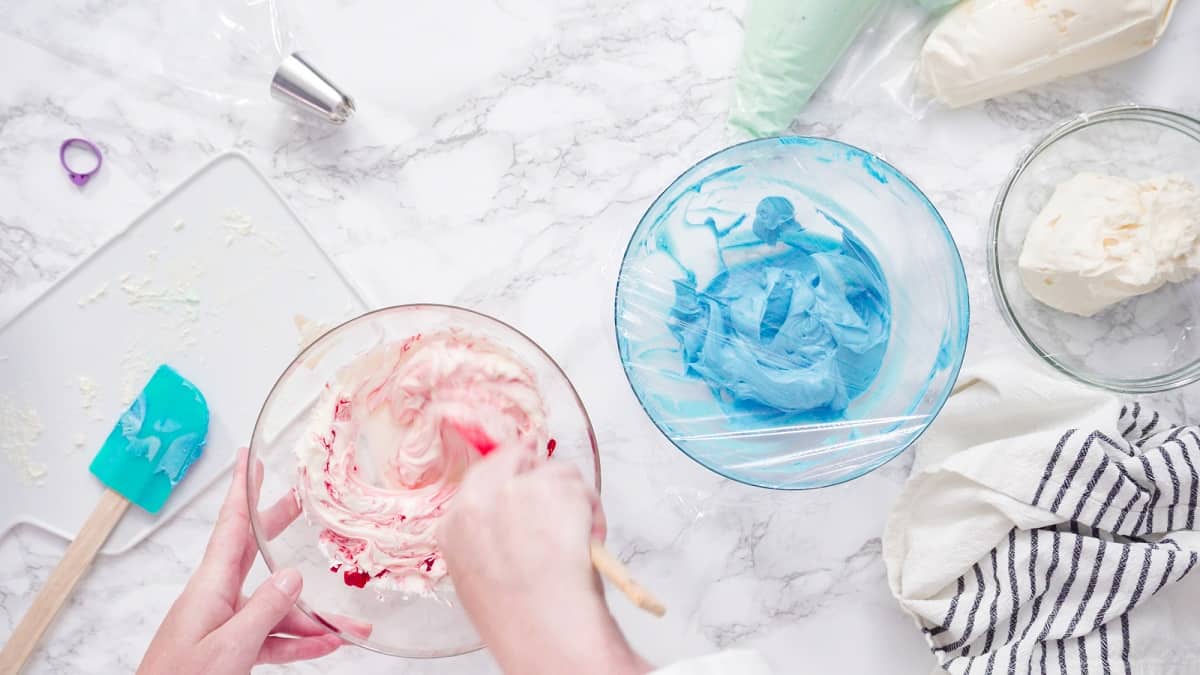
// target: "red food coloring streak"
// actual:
[[381, 573], [341, 411], [327, 443], [409, 342], [476, 437], [485, 446], [348, 548], [356, 578], [335, 568], [428, 563], [550, 446]]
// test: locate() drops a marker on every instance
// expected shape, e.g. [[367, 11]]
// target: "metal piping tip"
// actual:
[[300, 85]]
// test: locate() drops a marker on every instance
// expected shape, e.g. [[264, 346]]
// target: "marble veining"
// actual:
[[508, 178]]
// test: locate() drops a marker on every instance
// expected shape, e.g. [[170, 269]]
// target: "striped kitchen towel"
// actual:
[[1047, 528]]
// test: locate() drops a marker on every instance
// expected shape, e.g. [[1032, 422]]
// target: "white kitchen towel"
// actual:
[[1047, 528]]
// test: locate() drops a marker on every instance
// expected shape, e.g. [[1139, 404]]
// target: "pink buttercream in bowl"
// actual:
[[383, 454], [366, 437]]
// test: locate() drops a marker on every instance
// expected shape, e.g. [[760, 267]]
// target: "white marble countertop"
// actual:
[[504, 169]]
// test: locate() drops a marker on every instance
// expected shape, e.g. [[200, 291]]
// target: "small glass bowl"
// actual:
[[409, 626], [1144, 344], [705, 217]]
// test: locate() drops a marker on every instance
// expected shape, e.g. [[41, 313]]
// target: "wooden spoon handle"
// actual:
[[75, 562], [611, 568]]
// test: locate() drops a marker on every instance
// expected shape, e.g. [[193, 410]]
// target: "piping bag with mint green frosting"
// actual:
[[790, 47], [148, 452]]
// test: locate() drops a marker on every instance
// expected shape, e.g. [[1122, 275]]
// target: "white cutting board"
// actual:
[[209, 280]]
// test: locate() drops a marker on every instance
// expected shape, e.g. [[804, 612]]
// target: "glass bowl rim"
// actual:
[[964, 304], [256, 527], [1172, 119]]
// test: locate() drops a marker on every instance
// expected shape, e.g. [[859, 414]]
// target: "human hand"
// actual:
[[516, 542], [212, 628]]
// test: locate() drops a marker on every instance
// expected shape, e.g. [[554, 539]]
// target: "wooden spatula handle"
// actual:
[[71, 568], [611, 568]]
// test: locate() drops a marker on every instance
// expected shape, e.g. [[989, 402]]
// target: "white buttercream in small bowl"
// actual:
[[1103, 239]]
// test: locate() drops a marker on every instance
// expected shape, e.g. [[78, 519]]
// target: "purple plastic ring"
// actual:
[[76, 177]]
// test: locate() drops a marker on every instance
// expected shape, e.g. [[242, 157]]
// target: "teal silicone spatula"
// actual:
[[144, 458]]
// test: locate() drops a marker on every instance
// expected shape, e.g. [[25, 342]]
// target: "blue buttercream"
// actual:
[[803, 327]]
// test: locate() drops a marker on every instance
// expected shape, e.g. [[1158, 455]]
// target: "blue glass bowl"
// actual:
[[792, 312]]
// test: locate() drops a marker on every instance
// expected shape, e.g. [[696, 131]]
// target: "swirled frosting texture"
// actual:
[[382, 459], [800, 323]]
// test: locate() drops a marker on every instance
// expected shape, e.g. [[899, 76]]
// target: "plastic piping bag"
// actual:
[[180, 51], [790, 47], [936, 5], [987, 48]]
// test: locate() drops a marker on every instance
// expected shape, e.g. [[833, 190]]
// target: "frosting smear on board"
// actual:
[[795, 322], [385, 451]]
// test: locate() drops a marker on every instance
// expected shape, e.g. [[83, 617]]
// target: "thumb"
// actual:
[[269, 605]]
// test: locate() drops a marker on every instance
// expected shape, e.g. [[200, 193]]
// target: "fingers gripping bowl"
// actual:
[[354, 434]]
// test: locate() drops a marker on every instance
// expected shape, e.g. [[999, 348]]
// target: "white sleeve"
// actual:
[[734, 662]]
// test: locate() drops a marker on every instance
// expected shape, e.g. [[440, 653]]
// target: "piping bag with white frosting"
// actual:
[[986, 48], [148, 452]]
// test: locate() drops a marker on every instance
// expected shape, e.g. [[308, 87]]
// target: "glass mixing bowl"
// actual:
[[410, 626], [725, 214], [1143, 344]]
